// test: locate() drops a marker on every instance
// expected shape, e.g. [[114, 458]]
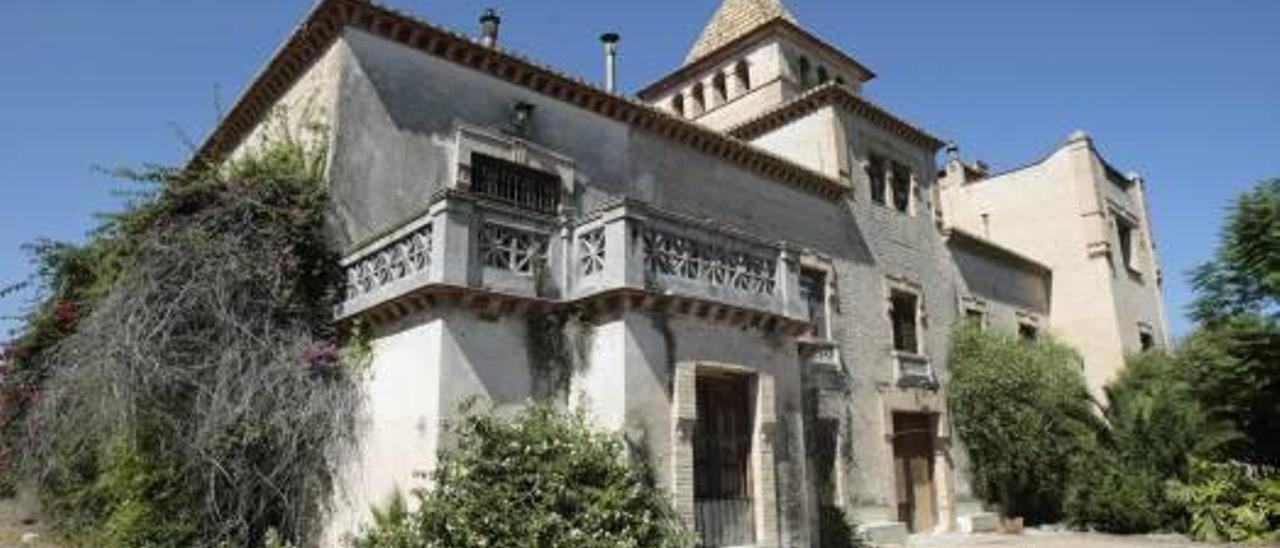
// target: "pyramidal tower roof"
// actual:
[[734, 19]]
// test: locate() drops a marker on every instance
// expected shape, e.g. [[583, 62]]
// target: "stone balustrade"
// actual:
[[467, 243]]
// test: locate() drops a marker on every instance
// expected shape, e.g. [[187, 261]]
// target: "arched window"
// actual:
[[743, 73], [804, 71], [823, 77], [677, 104], [699, 99], [840, 80], [721, 90]]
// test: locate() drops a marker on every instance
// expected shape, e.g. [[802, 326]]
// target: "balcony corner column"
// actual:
[[452, 258]]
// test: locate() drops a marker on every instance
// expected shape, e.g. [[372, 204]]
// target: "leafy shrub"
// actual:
[[1227, 504], [1022, 410], [540, 478], [1154, 425]]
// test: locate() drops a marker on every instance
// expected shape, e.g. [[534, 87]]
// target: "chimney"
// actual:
[[489, 23], [610, 41]]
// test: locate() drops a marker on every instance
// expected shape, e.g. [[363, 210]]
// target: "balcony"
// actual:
[[471, 244]]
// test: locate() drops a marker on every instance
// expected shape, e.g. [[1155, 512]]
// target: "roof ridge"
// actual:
[[734, 19]]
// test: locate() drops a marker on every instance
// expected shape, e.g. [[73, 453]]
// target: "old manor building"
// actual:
[[748, 268]]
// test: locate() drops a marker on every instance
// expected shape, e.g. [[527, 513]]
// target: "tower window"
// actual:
[[1124, 232], [901, 188], [677, 104], [804, 72], [876, 170], [720, 89], [904, 315], [823, 77], [743, 73], [699, 99]]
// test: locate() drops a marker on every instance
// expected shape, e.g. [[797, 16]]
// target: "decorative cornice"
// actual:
[[834, 94], [721, 54], [329, 18]]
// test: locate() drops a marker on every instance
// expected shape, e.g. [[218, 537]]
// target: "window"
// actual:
[[804, 72], [904, 315], [699, 100], [1028, 331], [901, 188], [1124, 232], [515, 184], [677, 104], [823, 77], [813, 290], [975, 316], [743, 73], [721, 91], [876, 170], [1147, 340], [840, 80]]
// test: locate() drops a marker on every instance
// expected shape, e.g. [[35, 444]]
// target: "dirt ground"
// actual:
[[1056, 539]]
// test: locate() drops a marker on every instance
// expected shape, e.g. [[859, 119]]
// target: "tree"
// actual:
[[1023, 411], [540, 478], [1244, 276], [1234, 357]]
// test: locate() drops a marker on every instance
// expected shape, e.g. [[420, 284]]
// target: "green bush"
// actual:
[[1022, 410], [540, 478], [1227, 504], [1154, 425]]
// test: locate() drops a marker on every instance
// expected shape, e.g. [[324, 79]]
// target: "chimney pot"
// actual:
[[610, 41], [489, 24]]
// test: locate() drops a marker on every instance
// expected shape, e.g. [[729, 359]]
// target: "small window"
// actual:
[[813, 290], [840, 80], [901, 188], [677, 104], [804, 72], [743, 73], [1147, 340], [720, 89], [823, 77], [1028, 331], [904, 310], [876, 170]]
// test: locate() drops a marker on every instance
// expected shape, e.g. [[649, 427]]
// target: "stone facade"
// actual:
[[776, 245]]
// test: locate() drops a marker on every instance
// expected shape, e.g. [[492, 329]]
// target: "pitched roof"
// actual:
[[734, 19], [329, 18]]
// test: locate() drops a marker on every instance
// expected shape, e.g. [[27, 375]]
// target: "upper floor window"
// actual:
[[677, 104], [904, 315], [804, 71], [743, 73], [1124, 233], [901, 188], [515, 184], [813, 290], [823, 77], [877, 169]]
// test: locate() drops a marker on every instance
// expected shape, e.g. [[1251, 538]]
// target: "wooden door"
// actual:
[[913, 470]]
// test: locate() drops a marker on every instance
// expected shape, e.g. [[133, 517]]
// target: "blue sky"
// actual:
[[1185, 91]]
